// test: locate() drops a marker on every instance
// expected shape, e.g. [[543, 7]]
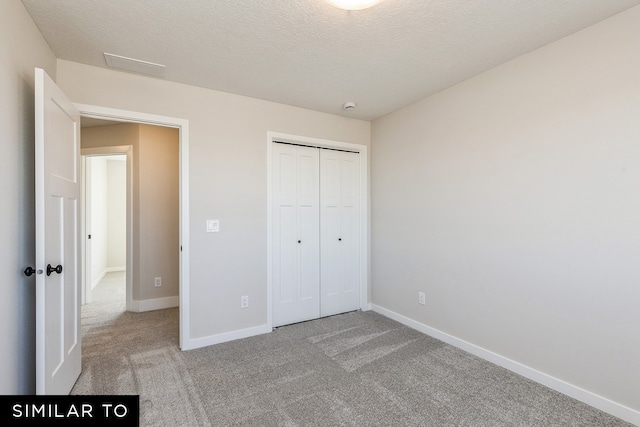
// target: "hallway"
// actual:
[[107, 300]]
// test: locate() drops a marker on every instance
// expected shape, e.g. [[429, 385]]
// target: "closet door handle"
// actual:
[[299, 241], [339, 239]]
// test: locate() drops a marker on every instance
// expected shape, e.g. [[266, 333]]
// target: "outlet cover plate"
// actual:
[[213, 226]]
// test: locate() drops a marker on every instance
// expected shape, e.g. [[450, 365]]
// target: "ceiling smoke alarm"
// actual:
[[348, 106]]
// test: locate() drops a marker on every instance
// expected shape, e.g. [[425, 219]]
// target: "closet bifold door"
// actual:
[[296, 234], [340, 232]]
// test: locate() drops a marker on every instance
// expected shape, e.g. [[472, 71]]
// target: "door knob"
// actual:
[[50, 269], [29, 271], [339, 239]]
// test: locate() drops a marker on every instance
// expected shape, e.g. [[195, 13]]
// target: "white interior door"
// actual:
[[296, 246], [57, 153], [340, 225]]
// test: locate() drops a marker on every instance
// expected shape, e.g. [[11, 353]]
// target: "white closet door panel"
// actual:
[[309, 280], [296, 256], [350, 262], [308, 176], [331, 275], [350, 228], [340, 243], [350, 183], [284, 231], [286, 174], [330, 229], [285, 252], [330, 177], [308, 231]]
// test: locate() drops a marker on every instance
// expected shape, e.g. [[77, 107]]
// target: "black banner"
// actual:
[[69, 410]]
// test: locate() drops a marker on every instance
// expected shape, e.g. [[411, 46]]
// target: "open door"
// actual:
[[57, 154]]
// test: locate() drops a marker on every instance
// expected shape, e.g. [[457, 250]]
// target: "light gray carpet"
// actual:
[[356, 369]]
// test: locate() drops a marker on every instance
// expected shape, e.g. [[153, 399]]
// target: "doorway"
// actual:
[[181, 247], [105, 224], [150, 200]]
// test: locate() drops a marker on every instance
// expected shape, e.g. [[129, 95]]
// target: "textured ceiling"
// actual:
[[310, 54]]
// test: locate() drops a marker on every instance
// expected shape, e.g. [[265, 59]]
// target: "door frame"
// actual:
[[365, 288], [126, 150], [105, 113]]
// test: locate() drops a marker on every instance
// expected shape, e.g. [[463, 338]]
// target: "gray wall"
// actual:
[[227, 176], [158, 225], [21, 49], [513, 201]]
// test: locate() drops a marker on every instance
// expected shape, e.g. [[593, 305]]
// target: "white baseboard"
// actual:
[[190, 344], [95, 282], [153, 304], [623, 412], [106, 270]]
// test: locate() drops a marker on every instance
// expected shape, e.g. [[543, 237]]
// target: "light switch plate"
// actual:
[[213, 226]]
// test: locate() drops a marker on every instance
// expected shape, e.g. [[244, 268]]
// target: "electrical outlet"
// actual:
[[213, 226], [157, 282], [244, 301], [422, 298]]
